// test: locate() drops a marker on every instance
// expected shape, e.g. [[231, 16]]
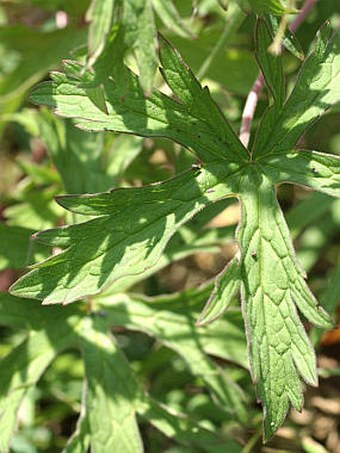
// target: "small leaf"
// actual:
[[289, 40], [226, 285]]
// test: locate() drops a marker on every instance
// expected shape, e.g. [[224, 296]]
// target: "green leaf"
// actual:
[[269, 6], [131, 226], [272, 283], [177, 331], [14, 246], [313, 169], [226, 286], [112, 392], [170, 17], [100, 16], [196, 99], [289, 40], [270, 65], [30, 44], [156, 212], [140, 33], [184, 430], [24, 365], [131, 112], [316, 90]]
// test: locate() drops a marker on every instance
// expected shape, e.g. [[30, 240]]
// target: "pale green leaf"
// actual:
[[131, 112], [112, 391], [272, 283]]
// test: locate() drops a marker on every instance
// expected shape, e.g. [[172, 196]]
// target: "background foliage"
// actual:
[[188, 388]]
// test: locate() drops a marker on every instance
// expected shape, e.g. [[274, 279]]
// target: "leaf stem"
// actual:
[[236, 17], [253, 96]]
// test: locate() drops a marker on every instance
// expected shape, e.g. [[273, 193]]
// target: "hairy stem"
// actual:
[[253, 96]]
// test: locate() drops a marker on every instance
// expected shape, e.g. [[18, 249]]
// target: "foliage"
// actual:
[[112, 242]]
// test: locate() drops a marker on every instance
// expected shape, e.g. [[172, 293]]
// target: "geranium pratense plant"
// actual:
[[129, 228]]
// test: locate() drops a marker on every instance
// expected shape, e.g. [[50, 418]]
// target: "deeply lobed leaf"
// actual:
[[132, 226]]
